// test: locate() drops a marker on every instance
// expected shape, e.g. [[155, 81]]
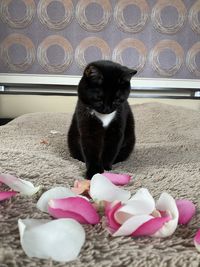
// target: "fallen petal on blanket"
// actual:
[[141, 202], [77, 208], [110, 210], [141, 216], [59, 240], [81, 187], [53, 193], [186, 210], [150, 227], [19, 185], [166, 205], [101, 188], [197, 240], [7, 194], [117, 179]]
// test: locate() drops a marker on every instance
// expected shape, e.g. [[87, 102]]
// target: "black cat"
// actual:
[[102, 127]]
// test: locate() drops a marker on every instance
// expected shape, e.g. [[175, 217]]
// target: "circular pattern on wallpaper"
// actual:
[[23, 20], [88, 43], [155, 60], [13, 41], [191, 59], [92, 26], [194, 17], [131, 43], [157, 20], [43, 59], [58, 23], [119, 16]]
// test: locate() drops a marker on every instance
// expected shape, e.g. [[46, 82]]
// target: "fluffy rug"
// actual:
[[166, 158]]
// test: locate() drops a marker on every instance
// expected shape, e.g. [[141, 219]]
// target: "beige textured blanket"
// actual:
[[166, 158]]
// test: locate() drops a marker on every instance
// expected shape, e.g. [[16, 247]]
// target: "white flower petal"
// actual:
[[132, 224], [140, 203], [101, 188], [56, 192], [145, 198], [60, 240], [167, 203], [19, 185]]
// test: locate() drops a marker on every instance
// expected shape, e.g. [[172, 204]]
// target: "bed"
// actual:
[[166, 158]]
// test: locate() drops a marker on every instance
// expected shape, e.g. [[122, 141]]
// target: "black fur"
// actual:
[[104, 87]]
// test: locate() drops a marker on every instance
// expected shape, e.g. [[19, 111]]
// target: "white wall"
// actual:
[[12, 106]]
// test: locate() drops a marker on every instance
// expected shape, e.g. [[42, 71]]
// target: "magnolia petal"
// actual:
[[117, 179], [186, 210], [19, 185], [7, 194], [101, 188], [150, 227], [56, 192], [76, 208], [81, 186], [167, 204], [59, 240], [140, 203], [110, 210], [132, 224], [143, 195], [197, 240]]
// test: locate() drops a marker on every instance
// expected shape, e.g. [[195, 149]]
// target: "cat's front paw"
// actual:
[[93, 170]]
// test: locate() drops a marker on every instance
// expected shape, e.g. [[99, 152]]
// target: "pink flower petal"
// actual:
[[81, 187], [7, 194], [197, 240], [53, 193], [140, 203], [151, 226], [186, 210], [117, 179], [76, 208], [131, 225], [19, 185], [197, 237], [110, 210]]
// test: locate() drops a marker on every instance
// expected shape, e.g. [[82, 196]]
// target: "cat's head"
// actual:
[[105, 85]]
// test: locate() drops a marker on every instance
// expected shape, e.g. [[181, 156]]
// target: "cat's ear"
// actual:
[[94, 74], [128, 74]]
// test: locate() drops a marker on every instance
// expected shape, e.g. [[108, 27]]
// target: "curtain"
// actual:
[[158, 38]]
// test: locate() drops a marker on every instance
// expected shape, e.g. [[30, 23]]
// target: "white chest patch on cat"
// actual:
[[105, 118]]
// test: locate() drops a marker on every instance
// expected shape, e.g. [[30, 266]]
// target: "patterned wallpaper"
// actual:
[[160, 38]]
